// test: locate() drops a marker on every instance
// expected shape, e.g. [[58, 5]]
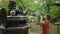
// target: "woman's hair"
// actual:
[[48, 17]]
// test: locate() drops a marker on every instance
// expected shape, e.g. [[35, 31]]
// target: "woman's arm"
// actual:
[[41, 20]]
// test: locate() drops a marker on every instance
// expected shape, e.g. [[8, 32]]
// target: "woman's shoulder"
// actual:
[[46, 20]]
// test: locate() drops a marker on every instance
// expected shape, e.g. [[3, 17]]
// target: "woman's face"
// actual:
[[45, 17]]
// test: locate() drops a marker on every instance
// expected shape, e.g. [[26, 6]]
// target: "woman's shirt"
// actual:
[[46, 25]]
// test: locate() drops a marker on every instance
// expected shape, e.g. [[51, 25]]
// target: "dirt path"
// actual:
[[34, 33]]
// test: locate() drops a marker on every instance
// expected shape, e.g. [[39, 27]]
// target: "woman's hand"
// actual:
[[41, 23]]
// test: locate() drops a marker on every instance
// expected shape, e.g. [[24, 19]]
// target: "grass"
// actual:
[[38, 29]]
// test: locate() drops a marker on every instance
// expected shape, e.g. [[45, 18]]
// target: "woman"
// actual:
[[45, 24]]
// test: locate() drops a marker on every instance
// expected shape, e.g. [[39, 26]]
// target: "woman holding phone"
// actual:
[[45, 24]]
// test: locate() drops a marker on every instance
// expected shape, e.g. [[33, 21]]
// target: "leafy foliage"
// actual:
[[4, 3], [36, 6]]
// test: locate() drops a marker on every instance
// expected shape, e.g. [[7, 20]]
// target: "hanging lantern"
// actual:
[[57, 3]]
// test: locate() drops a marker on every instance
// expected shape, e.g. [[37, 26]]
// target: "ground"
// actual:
[[34, 33], [37, 29]]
